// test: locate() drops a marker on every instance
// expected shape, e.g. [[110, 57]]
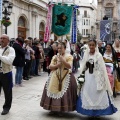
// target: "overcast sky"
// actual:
[[94, 0]]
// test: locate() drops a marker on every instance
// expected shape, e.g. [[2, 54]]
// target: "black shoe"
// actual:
[[25, 78], [37, 75], [34, 75], [4, 112], [29, 77]]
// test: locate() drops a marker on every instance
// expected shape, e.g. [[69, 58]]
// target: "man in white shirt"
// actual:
[[7, 55]]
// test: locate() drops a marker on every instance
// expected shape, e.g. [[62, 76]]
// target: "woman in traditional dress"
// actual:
[[60, 92], [68, 49], [110, 58], [95, 98], [116, 46]]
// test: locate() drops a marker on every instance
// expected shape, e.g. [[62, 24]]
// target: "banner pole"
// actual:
[[62, 2], [62, 35], [60, 67]]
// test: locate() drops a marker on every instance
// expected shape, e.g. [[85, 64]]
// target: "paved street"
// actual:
[[26, 104]]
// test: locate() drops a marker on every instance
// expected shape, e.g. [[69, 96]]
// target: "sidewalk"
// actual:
[[26, 103]]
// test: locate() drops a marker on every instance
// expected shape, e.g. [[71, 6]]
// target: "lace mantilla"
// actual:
[[62, 92], [99, 74]]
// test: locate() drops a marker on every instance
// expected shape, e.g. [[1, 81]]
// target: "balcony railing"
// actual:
[[113, 19], [88, 16]]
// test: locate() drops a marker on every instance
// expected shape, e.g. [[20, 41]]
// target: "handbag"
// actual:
[[32, 56], [41, 58]]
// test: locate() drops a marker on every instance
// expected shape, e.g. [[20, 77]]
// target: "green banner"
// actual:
[[61, 19]]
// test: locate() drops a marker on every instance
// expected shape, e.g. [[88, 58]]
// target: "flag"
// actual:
[[61, 19], [105, 30], [48, 24], [74, 25], [0, 9]]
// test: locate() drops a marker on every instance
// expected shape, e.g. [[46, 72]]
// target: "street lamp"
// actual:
[[6, 10]]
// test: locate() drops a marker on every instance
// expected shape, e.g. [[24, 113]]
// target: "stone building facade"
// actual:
[[111, 9], [28, 19]]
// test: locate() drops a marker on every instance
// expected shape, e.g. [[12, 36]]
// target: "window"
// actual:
[[21, 22], [109, 12], [86, 22], [41, 30], [41, 27], [85, 13], [86, 31]]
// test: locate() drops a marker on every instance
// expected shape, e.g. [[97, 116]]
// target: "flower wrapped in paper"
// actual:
[[80, 80]]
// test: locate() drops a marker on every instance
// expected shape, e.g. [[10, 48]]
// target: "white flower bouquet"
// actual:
[[80, 80]]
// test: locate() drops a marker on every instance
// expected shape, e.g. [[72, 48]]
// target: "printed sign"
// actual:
[[105, 30]]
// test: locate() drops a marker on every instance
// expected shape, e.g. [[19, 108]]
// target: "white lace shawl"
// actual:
[[117, 49], [99, 71], [68, 50]]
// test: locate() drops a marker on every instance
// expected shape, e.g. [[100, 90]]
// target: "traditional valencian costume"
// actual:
[[117, 50], [60, 92], [95, 98], [108, 58], [68, 49]]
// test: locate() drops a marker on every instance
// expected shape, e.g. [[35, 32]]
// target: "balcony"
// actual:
[[88, 16], [114, 20]]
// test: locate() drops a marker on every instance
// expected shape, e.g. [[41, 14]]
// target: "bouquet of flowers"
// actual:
[[80, 80], [6, 22]]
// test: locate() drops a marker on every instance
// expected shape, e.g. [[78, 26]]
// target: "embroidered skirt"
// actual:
[[66, 103]]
